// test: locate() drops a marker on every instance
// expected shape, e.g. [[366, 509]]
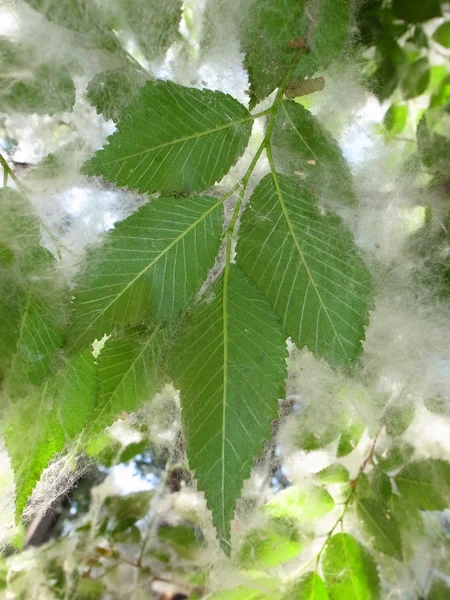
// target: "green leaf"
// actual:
[[397, 456], [304, 505], [269, 547], [40, 336], [380, 526], [409, 519], [327, 24], [154, 24], [111, 91], [416, 12], [395, 118], [45, 422], [349, 438], [174, 138], [441, 96], [439, 590], [228, 364], [265, 35], [48, 89], [336, 473], [82, 16], [307, 266], [376, 485], [434, 150], [427, 483], [416, 78], [164, 251], [128, 375], [399, 418], [182, 538], [305, 150], [311, 587], [349, 570]]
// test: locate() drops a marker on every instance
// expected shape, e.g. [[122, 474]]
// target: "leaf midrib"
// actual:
[[149, 266], [181, 140], [297, 244]]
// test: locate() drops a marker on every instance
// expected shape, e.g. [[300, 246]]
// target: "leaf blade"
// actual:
[[238, 374], [187, 126], [381, 526], [166, 249], [349, 570], [300, 259]]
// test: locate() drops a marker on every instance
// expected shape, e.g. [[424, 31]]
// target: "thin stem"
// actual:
[[8, 171]]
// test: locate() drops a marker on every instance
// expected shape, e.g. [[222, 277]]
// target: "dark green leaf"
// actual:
[[182, 538], [441, 96], [416, 12], [229, 365], [427, 483], [442, 34], [396, 457], [265, 35], [311, 587], [131, 507], [164, 250], [128, 375], [174, 139], [333, 474], [377, 485], [409, 519], [45, 422], [380, 526], [434, 151], [327, 25], [399, 418], [111, 91], [395, 118], [307, 266], [303, 149], [416, 78], [349, 570]]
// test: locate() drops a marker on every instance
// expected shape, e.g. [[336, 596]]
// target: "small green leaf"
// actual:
[[395, 118], [265, 35], [409, 519], [259, 591], [380, 526], [416, 12], [439, 590], [333, 474], [164, 251], [427, 483], [349, 438], [128, 375], [182, 538], [416, 78], [349, 570], [130, 508], [434, 150], [269, 547], [174, 139], [303, 149], [377, 485], [111, 91], [45, 422], [311, 587], [228, 363], [304, 505], [442, 34], [441, 96], [399, 418], [397, 456], [307, 266]]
